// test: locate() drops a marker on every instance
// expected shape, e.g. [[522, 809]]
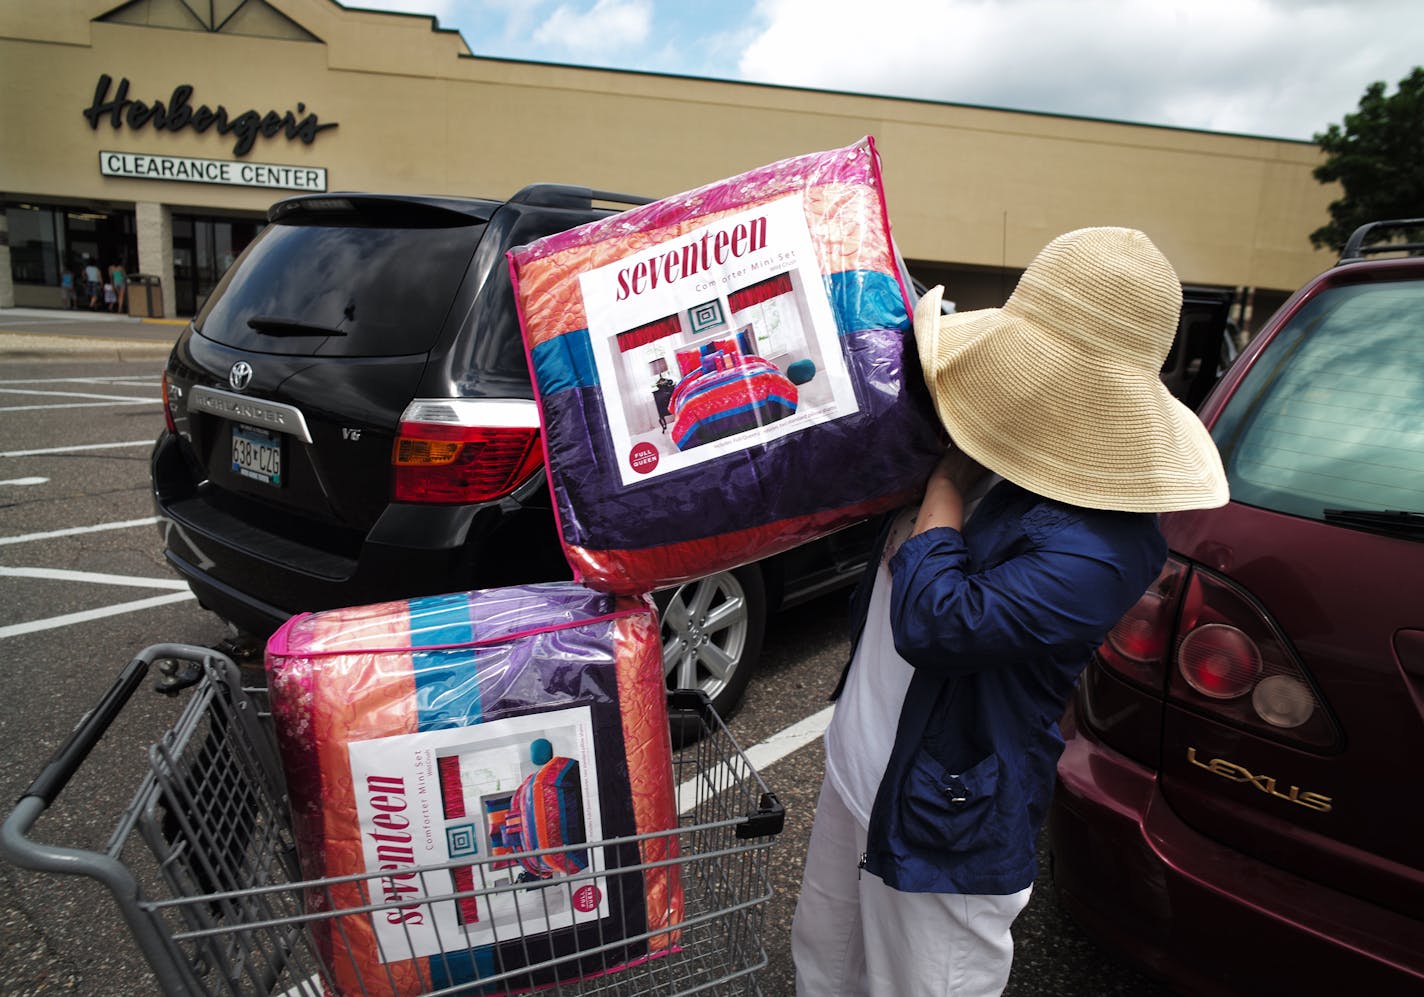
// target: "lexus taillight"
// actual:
[[464, 450], [1205, 644], [1139, 645], [168, 405], [1232, 662]]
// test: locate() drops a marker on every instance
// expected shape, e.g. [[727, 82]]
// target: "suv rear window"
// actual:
[[341, 289], [1331, 416]]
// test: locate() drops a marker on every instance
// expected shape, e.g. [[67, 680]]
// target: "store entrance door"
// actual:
[[203, 249]]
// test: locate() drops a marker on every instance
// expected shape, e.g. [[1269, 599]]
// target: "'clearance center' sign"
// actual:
[[220, 171]]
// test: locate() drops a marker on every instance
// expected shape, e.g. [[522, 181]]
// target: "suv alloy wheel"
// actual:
[[712, 632]]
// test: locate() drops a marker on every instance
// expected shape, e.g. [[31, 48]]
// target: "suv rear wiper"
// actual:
[[1392, 521], [275, 326]]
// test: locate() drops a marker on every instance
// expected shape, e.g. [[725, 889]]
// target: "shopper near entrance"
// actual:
[[93, 282], [120, 280], [970, 631], [66, 288]]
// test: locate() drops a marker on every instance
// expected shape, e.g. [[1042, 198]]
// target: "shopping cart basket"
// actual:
[[204, 871]]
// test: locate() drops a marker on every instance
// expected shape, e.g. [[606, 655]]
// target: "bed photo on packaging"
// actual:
[[473, 753], [722, 374]]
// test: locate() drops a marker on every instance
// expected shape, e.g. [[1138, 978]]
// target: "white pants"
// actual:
[[853, 935]]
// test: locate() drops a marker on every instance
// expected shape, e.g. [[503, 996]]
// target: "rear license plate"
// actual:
[[257, 454]]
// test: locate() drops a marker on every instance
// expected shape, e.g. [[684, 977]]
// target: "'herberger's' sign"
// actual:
[[179, 114]]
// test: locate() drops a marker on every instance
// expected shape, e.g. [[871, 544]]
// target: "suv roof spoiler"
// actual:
[[1356, 249], [349, 202], [559, 195]]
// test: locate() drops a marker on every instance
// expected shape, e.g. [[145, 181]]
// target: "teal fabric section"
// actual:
[[866, 299], [564, 362], [447, 688], [463, 966]]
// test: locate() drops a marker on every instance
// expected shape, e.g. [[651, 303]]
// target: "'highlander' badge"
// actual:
[[240, 376], [253, 411]]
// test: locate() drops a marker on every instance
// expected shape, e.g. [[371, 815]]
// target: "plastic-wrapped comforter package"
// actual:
[[479, 725], [722, 374]]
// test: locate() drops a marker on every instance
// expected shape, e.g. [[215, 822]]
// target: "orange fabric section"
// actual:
[[645, 735], [366, 698], [549, 290]]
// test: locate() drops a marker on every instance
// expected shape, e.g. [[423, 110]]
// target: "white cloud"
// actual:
[[607, 27], [1286, 68], [1273, 67], [518, 18]]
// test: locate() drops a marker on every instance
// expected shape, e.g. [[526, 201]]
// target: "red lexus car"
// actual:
[[1239, 805]]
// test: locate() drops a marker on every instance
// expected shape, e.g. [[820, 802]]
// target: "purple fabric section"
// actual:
[[818, 469], [531, 665], [506, 612]]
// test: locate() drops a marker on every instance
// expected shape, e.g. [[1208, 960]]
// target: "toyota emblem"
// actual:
[[240, 376]]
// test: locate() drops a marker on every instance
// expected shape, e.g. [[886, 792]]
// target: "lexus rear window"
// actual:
[[1331, 416], [340, 290]]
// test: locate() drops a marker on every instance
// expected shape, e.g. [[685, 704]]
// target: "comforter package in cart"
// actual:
[[722, 374], [483, 725]]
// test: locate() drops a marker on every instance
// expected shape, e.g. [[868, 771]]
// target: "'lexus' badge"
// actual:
[[240, 376]]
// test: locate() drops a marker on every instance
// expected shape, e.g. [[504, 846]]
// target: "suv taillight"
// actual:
[[168, 406], [464, 450], [1211, 648]]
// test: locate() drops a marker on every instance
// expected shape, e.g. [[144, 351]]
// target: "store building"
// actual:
[[155, 133]]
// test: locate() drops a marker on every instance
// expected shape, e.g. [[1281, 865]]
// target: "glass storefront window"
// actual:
[[46, 238], [34, 249]]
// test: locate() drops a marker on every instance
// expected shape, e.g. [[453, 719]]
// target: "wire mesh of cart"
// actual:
[[204, 871]]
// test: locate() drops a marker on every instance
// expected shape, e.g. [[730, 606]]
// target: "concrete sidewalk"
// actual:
[[52, 334]]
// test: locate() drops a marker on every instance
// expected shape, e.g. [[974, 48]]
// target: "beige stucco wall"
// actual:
[[416, 113]]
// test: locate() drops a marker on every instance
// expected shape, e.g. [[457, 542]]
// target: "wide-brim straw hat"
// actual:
[[1059, 391]]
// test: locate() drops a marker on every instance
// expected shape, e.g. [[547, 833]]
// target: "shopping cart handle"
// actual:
[[92, 726]]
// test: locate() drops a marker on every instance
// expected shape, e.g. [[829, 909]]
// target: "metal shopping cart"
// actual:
[[203, 868]]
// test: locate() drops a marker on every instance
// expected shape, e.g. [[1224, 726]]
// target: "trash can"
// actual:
[[145, 296]]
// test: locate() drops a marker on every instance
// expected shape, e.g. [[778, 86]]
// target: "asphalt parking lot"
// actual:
[[83, 587]]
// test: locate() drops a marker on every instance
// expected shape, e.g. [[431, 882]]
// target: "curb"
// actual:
[[57, 347]]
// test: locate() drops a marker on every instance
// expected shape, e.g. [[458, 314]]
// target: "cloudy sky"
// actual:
[[1280, 68]]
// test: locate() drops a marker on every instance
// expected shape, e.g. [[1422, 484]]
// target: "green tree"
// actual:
[[1377, 157]]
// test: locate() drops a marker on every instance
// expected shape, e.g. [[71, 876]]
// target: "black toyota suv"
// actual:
[[355, 337], [361, 335]]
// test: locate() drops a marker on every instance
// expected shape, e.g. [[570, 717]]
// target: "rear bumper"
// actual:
[[258, 595], [1204, 917], [257, 579], [247, 613]]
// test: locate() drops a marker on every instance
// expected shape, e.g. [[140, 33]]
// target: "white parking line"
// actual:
[[75, 449], [793, 738], [84, 616], [66, 394], [129, 379], [24, 481], [776, 747], [36, 408], [76, 530], [94, 577]]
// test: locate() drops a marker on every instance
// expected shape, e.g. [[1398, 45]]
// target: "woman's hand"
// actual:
[[953, 477]]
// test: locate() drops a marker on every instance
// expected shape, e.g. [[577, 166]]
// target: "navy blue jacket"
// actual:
[[998, 622]]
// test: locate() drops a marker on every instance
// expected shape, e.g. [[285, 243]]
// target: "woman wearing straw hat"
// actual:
[[970, 632]]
